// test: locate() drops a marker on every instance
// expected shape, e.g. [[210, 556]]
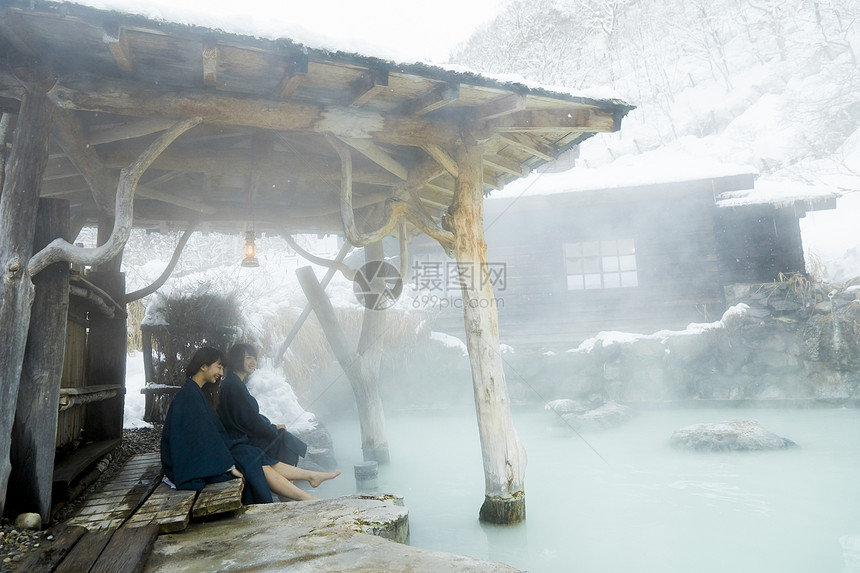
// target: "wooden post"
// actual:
[[503, 454], [374, 444], [34, 432], [18, 206], [106, 357]]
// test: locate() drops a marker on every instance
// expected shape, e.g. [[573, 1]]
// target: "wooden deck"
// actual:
[[115, 529]]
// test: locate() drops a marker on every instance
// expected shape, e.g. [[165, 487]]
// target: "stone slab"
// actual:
[[348, 534]]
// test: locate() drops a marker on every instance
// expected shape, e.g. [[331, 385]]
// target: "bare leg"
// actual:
[[284, 487], [294, 473]]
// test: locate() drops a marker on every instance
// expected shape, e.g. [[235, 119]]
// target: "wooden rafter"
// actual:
[[440, 97], [108, 133], [369, 85], [211, 54], [115, 39], [378, 155], [502, 106], [442, 157], [525, 143], [547, 121], [297, 69], [225, 163], [124, 98], [504, 164]]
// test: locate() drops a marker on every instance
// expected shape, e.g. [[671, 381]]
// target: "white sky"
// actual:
[[399, 30]]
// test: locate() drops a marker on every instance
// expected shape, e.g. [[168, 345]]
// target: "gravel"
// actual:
[[16, 542]]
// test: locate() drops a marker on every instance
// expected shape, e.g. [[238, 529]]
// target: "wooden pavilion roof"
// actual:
[[263, 152]]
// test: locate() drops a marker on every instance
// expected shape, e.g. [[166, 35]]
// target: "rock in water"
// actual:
[[736, 435]]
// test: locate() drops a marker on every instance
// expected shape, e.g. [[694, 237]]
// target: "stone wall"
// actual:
[[785, 341]]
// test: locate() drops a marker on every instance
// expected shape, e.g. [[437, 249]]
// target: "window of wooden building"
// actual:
[[601, 264]]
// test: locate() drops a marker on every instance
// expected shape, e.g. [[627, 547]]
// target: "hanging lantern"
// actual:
[[250, 259]]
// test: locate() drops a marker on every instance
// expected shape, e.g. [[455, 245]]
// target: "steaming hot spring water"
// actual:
[[623, 499]]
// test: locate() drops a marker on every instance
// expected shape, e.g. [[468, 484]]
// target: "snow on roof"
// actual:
[[777, 192], [627, 171], [271, 20], [665, 166]]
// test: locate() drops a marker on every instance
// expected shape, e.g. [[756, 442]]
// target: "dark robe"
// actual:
[[240, 414], [196, 450]]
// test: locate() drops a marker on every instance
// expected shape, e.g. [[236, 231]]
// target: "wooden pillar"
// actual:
[[18, 206], [503, 454], [374, 444], [106, 358], [34, 432]]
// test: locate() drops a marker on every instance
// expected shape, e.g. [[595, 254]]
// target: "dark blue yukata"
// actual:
[[196, 449]]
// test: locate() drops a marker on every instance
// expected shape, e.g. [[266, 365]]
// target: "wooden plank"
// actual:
[[127, 550], [219, 498], [106, 357], [74, 464], [85, 552], [110, 507], [168, 508], [47, 557]]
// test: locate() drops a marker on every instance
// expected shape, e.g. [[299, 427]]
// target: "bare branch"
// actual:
[[159, 282], [335, 264], [61, 250]]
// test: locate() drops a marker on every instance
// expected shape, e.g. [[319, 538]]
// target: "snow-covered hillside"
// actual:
[[769, 86]]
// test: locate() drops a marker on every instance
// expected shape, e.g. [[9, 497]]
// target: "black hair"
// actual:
[[236, 355], [204, 356]]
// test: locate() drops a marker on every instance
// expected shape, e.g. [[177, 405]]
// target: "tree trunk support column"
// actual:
[[34, 434], [374, 444], [18, 206], [503, 455]]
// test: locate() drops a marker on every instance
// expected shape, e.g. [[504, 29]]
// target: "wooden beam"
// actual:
[[377, 155], [501, 106], [433, 100], [442, 158], [115, 39], [70, 133], [297, 69], [109, 133], [192, 204], [492, 181], [211, 55], [369, 85], [148, 100], [528, 145], [504, 164], [581, 120], [232, 162]]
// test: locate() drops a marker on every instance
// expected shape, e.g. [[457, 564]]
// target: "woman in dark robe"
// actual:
[[240, 412], [196, 450]]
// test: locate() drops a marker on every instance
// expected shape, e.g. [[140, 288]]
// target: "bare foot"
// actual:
[[317, 478]]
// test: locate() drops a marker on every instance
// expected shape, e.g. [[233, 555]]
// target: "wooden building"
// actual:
[[630, 258], [116, 120]]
